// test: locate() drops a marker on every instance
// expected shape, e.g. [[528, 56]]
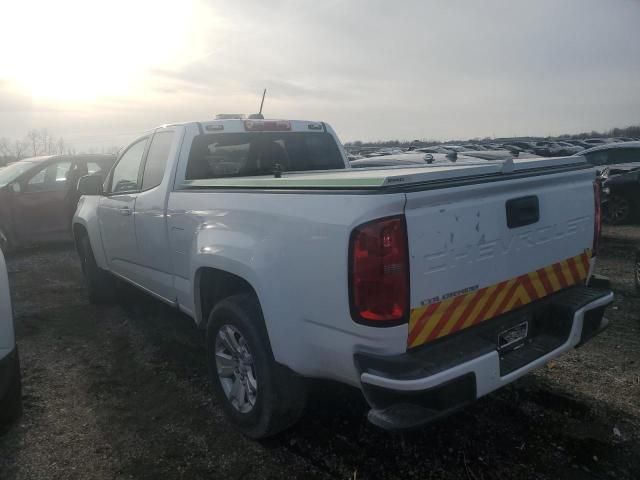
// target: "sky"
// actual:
[[100, 72]]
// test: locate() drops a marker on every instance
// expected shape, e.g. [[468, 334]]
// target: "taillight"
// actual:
[[379, 272], [597, 223], [267, 125]]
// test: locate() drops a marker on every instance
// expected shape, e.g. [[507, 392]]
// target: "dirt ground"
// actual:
[[122, 392]]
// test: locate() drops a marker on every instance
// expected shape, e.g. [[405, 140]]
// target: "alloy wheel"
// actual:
[[236, 369]]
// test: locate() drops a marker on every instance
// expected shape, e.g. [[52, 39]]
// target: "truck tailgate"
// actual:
[[481, 250]]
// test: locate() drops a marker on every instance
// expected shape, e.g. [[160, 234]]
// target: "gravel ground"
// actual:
[[122, 392]]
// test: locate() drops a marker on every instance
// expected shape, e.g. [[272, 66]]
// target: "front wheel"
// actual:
[[260, 397]]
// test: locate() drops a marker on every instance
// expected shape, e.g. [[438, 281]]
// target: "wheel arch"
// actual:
[[90, 229], [213, 285], [79, 231]]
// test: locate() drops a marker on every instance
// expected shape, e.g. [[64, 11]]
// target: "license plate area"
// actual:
[[547, 328], [514, 337]]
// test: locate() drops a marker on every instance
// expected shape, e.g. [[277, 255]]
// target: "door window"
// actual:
[[93, 168], [125, 173], [157, 159], [625, 155], [601, 157], [52, 178]]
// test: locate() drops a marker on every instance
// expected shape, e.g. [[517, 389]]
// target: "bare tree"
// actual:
[[60, 146], [12, 151], [47, 144], [6, 152], [5, 147], [33, 138], [19, 149]]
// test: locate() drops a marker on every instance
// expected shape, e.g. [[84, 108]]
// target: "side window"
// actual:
[[626, 155], [52, 178], [93, 168], [157, 159], [125, 173], [600, 157]]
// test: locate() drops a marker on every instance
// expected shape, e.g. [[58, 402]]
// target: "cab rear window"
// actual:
[[221, 155]]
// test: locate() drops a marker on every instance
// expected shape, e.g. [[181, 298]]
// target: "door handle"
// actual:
[[125, 211], [523, 211]]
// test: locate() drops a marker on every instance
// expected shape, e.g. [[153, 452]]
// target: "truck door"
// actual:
[[116, 209], [150, 220]]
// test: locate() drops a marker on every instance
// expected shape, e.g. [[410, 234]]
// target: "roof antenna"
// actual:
[[259, 116]]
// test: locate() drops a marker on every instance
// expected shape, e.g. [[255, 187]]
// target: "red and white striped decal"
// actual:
[[436, 320]]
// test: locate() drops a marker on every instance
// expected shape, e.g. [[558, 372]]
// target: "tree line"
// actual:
[[35, 143], [38, 142]]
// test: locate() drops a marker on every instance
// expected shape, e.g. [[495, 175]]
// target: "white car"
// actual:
[[425, 286], [10, 385]]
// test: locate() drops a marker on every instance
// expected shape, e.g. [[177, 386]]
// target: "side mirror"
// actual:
[[90, 185], [16, 187]]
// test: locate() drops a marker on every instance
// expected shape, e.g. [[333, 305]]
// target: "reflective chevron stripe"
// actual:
[[437, 320]]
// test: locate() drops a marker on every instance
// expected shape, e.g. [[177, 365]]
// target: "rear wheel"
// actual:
[[11, 402], [100, 284], [619, 210], [260, 397]]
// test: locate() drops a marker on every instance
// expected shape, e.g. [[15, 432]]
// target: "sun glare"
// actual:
[[84, 50]]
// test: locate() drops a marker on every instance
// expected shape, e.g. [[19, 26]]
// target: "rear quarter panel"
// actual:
[[292, 248]]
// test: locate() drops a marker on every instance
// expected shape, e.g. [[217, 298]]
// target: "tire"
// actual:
[[619, 210], [279, 396], [11, 402], [100, 284]]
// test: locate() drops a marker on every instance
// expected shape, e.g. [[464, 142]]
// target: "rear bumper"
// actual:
[[409, 390]]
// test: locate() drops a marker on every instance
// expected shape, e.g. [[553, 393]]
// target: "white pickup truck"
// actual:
[[426, 287]]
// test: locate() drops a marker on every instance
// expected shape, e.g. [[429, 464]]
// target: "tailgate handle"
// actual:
[[522, 211]]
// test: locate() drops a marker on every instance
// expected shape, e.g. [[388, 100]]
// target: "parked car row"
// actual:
[[618, 164], [38, 195], [543, 148]]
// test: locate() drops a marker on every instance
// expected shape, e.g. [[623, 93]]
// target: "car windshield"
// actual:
[[12, 171]]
